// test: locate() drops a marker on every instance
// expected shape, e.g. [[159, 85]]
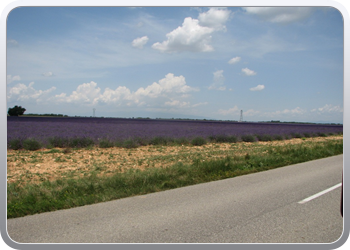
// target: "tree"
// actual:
[[16, 111]]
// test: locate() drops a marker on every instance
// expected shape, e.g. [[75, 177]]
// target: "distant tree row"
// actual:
[[58, 115], [18, 110]]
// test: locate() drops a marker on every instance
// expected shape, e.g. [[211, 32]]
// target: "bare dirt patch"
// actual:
[[51, 164]]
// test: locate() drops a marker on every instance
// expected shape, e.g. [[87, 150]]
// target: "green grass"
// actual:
[[68, 192]]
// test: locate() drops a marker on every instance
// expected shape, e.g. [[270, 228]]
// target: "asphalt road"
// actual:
[[260, 207]]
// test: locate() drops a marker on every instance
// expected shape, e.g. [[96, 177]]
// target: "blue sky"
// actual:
[[274, 63]]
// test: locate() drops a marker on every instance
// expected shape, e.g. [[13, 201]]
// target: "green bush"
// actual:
[[296, 135], [80, 142], [232, 138], [15, 144], [198, 141], [307, 135], [278, 137], [223, 138], [59, 142], [141, 141], [159, 140], [264, 137], [129, 143], [182, 141], [31, 144], [248, 138], [105, 143]]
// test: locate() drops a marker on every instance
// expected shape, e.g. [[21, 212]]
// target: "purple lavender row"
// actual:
[[113, 129]]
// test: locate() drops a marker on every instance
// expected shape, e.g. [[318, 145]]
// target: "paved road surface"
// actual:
[[261, 207]]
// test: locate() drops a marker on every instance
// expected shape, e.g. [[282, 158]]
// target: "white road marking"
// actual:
[[319, 194]]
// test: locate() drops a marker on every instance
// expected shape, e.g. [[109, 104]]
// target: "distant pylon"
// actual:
[[93, 113], [241, 118]]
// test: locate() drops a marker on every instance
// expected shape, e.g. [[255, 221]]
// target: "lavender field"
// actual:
[[118, 129]]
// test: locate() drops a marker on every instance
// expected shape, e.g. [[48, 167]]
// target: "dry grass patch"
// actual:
[[51, 164]]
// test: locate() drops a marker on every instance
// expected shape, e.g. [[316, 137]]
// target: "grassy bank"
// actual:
[[174, 169]]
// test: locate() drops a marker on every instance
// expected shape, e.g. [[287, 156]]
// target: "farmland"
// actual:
[[60, 131], [143, 156]]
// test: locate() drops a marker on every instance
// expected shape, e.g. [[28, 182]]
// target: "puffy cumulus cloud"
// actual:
[[234, 60], [189, 37], [171, 91], [167, 88], [218, 81], [22, 92], [86, 93], [257, 88], [328, 108], [248, 72], [113, 96], [139, 42], [214, 18], [280, 14], [195, 34], [11, 78]]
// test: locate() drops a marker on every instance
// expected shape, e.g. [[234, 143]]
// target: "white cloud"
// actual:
[[251, 112], [280, 14], [218, 81], [248, 72], [266, 43], [295, 111], [90, 94], [214, 18], [257, 88], [11, 78], [326, 113], [139, 42], [22, 92], [234, 60], [47, 74], [169, 88], [12, 43], [199, 104], [195, 34], [328, 108], [113, 96], [177, 103], [183, 104], [231, 111], [86, 93], [189, 37]]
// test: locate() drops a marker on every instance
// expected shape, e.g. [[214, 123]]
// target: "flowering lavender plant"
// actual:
[[79, 131]]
